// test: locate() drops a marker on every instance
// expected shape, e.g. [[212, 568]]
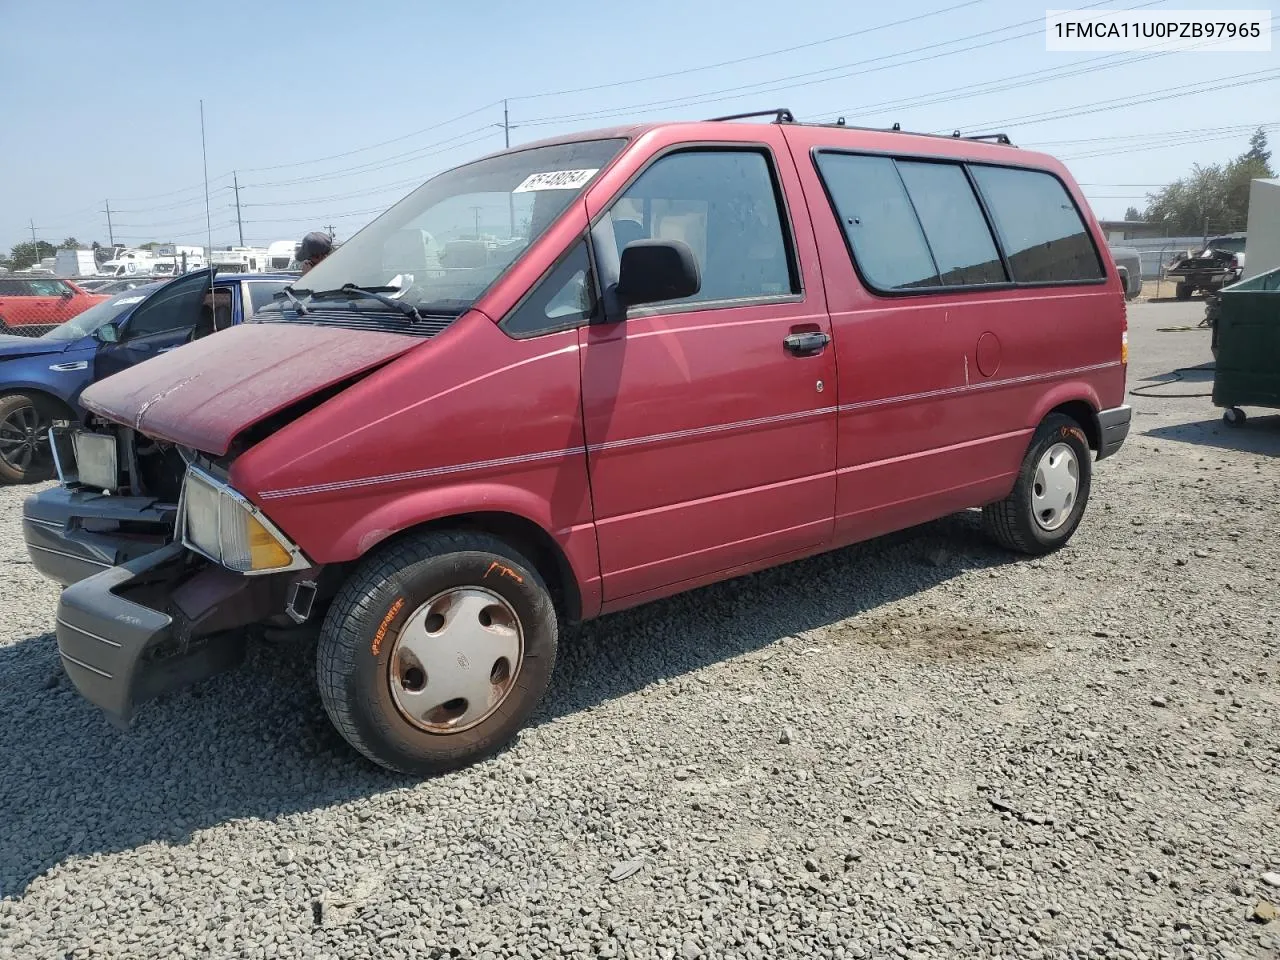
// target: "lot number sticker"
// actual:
[[556, 180]]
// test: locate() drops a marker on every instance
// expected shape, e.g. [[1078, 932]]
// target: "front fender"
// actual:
[[417, 507]]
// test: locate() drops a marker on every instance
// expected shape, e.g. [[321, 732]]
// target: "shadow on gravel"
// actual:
[[256, 743], [1259, 434]]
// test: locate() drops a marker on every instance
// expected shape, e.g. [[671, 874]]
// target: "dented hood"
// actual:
[[205, 393]]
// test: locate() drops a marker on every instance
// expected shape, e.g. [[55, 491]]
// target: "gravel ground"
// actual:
[[919, 747]]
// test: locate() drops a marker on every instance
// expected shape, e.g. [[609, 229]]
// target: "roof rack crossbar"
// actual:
[[996, 137], [779, 114]]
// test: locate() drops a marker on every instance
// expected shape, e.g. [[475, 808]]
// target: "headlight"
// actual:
[[96, 460], [224, 526]]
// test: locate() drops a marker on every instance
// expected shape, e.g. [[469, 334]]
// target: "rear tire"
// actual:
[[1050, 495], [24, 441], [1182, 291], [436, 651]]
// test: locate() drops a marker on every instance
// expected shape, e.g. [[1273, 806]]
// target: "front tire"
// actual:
[[24, 441], [1050, 495], [436, 651]]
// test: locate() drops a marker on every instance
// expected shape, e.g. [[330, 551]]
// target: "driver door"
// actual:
[[162, 323]]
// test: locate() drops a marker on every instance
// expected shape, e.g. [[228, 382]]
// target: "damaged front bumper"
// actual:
[[74, 534], [158, 623]]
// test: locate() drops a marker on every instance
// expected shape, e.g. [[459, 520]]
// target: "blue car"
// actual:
[[41, 378]]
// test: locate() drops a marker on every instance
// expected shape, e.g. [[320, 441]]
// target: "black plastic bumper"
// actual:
[[1114, 427], [119, 653], [73, 534]]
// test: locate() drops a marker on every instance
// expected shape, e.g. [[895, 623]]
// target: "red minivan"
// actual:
[[576, 376]]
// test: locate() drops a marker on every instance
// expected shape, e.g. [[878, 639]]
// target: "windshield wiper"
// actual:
[[293, 301], [373, 293]]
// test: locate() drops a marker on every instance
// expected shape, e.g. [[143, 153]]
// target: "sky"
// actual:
[[329, 112]]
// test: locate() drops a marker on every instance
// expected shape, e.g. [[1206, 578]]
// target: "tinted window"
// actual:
[[176, 306], [13, 288], [1039, 226], [872, 205], [567, 296], [261, 293], [958, 235], [724, 205]]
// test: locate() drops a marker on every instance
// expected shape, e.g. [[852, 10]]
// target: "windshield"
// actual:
[[86, 322], [450, 239]]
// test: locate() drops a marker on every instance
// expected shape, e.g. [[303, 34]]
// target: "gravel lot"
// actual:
[[919, 747]]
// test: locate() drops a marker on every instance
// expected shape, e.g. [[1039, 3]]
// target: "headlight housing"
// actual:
[[225, 527]]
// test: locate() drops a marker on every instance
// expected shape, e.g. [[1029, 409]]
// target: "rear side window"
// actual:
[[14, 288], [872, 203], [1040, 228], [959, 238]]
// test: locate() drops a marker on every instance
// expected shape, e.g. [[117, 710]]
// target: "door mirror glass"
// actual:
[[107, 333], [652, 271]]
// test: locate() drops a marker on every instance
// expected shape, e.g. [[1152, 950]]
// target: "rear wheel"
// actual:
[[436, 651], [1051, 492], [1182, 291], [24, 441]]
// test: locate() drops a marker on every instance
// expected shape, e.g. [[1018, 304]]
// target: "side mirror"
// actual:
[[68, 293], [655, 270], [107, 333]]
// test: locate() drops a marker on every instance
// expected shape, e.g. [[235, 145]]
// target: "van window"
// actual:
[[957, 232], [872, 205], [725, 205], [1040, 228], [564, 298]]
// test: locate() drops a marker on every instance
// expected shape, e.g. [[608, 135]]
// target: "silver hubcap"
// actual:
[[456, 660], [1057, 482]]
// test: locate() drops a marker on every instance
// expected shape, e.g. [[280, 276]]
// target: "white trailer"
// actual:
[[75, 263]]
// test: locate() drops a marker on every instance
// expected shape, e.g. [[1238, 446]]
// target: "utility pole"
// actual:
[[235, 180], [111, 236], [475, 210], [329, 230], [511, 200], [34, 242]]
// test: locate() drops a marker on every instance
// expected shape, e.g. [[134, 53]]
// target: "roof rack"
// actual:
[[779, 114], [783, 115], [1000, 138]]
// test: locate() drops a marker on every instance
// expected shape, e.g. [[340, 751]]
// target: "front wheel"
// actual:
[[1050, 494], [436, 651], [24, 441]]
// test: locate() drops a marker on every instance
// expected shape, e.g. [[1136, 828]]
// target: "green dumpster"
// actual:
[[1246, 346]]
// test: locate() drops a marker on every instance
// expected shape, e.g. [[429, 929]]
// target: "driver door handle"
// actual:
[[806, 344]]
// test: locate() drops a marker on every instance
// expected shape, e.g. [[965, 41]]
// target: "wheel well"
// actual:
[[1082, 413], [534, 543], [53, 407]]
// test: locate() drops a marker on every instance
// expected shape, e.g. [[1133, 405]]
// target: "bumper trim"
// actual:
[[1113, 426], [87, 633], [84, 666]]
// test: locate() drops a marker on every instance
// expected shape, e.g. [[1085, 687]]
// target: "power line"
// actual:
[[777, 84], [757, 56], [1150, 96]]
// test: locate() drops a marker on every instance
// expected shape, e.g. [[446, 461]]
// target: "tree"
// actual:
[[24, 255], [70, 243], [1258, 148], [1212, 199], [1132, 213]]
